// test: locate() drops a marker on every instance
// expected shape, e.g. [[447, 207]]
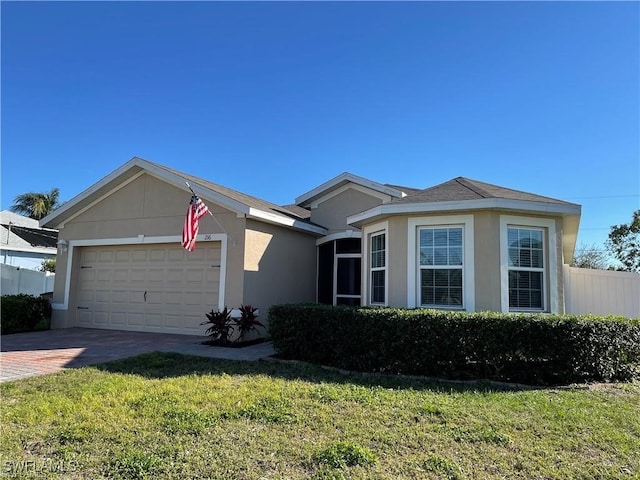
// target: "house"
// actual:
[[23, 247], [23, 243], [463, 244]]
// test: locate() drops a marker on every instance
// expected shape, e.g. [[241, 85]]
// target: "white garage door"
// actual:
[[150, 288]]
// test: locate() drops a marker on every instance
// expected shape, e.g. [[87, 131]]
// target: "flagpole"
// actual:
[[213, 216]]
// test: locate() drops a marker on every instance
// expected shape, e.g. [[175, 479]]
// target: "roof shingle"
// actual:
[[461, 188], [293, 211]]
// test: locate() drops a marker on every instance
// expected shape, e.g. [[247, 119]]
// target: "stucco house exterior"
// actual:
[[463, 244]]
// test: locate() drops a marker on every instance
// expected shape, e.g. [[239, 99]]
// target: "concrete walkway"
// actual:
[[37, 353]]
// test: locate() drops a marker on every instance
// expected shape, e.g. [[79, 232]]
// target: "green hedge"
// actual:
[[24, 313], [523, 348]]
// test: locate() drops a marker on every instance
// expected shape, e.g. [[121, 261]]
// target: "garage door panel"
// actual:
[[214, 257], [193, 298], [135, 319], [157, 255], [118, 319], [102, 296], [174, 255], [87, 275], [85, 318], [120, 275], [173, 298], [139, 256], [155, 297], [211, 304], [180, 287], [102, 275], [119, 296], [122, 256], [212, 275], [86, 295], [137, 297], [90, 256], [105, 256], [192, 322], [137, 275], [154, 320], [174, 275], [197, 256], [194, 276]]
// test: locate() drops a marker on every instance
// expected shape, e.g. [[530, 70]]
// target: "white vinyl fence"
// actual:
[[22, 280], [601, 292]]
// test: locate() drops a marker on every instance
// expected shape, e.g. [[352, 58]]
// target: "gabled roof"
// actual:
[[461, 188], [343, 179], [228, 198], [8, 217]]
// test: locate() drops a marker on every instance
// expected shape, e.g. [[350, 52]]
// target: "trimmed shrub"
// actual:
[[24, 313], [523, 348]]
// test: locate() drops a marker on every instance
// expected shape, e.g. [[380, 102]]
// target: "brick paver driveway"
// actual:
[[36, 353]]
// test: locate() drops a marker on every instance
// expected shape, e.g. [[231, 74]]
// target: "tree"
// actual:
[[36, 205], [590, 257], [624, 243], [48, 265]]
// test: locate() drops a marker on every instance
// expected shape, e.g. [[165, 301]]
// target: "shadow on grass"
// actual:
[[159, 365]]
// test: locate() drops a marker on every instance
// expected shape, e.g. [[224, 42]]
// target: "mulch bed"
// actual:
[[247, 343]]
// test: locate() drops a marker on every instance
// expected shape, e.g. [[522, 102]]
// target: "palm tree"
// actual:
[[36, 205]]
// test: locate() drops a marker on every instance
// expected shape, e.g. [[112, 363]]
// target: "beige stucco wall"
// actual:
[[560, 270], [279, 266], [486, 252], [150, 207], [397, 258], [332, 213]]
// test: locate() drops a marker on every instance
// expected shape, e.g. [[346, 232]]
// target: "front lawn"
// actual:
[[173, 416]]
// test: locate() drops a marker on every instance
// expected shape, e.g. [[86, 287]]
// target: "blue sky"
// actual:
[[273, 99]]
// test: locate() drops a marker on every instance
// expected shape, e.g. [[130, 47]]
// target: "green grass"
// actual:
[[178, 417]]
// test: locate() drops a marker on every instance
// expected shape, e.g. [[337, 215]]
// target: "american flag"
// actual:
[[197, 209]]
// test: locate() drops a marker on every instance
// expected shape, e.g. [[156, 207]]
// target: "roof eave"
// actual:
[[543, 208], [283, 220], [45, 250]]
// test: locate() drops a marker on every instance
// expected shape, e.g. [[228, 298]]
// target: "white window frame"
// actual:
[[541, 270], [440, 267], [468, 262], [550, 261], [369, 232]]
